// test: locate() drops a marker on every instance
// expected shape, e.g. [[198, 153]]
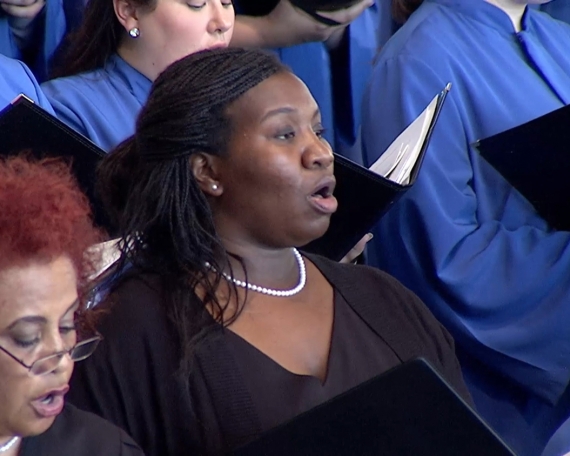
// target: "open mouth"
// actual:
[[322, 198], [47, 400], [325, 191], [50, 404]]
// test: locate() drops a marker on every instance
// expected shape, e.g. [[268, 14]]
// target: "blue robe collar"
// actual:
[[488, 14], [139, 85]]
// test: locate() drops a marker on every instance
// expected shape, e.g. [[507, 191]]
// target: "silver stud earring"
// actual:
[[214, 187], [135, 32]]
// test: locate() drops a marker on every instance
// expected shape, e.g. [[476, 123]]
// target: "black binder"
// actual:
[[324, 5], [535, 159], [408, 411], [257, 8], [24, 126], [363, 198]]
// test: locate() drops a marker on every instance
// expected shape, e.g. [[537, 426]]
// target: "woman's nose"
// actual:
[[222, 18], [318, 154]]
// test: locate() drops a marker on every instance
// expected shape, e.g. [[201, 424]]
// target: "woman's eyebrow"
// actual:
[[277, 111], [33, 319], [38, 319]]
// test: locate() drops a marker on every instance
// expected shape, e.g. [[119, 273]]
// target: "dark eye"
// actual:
[[63, 330], [285, 135], [319, 131], [26, 343], [196, 7], [227, 4]]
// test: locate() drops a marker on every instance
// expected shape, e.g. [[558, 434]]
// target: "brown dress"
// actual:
[[356, 354]]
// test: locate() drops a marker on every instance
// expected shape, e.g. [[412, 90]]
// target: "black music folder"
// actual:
[[407, 411], [364, 195], [535, 159], [24, 126]]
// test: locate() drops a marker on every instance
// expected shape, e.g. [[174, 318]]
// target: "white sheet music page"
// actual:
[[399, 159]]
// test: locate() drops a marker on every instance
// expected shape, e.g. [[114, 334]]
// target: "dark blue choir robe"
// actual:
[[57, 18], [16, 78], [559, 9], [102, 104], [462, 238]]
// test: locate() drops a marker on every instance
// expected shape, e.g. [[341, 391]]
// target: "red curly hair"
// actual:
[[44, 215]]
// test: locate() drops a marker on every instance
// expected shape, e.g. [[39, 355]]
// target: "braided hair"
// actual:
[[149, 188], [97, 39], [403, 9]]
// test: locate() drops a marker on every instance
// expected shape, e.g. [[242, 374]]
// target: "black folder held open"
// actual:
[[25, 126], [535, 159], [407, 411], [364, 195]]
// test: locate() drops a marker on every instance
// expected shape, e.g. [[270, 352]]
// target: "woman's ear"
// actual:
[[126, 13], [204, 167]]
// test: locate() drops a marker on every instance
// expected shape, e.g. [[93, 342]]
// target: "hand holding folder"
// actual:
[[364, 195]]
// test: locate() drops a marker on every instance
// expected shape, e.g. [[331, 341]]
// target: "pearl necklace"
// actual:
[[270, 291], [9, 444]]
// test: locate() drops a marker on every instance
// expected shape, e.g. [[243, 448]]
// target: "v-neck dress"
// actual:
[[356, 354]]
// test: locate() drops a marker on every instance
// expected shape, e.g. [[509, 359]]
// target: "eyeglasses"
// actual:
[[48, 364]]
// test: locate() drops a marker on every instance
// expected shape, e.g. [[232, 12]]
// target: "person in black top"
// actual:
[[45, 229], [221, 328]]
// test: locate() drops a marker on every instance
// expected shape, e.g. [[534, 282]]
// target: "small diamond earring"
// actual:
[[135, 32], [214, 187]]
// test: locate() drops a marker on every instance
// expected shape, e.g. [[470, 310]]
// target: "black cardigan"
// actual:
[[131, 381], [78, 433]]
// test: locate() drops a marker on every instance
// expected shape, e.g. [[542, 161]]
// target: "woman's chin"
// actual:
[[317, 231], [36, 426]]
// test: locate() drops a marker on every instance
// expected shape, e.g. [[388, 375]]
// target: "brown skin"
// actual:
[[46, 291], [262, 208]]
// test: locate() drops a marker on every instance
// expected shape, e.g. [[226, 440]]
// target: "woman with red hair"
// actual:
[[45, 232]]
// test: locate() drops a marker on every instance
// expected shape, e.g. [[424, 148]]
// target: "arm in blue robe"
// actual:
[[102, 104], [492, 271], [462, 238], [16, 78], [501, 288], [486, 280]]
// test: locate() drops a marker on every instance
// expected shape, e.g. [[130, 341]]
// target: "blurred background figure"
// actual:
[[16, 78]]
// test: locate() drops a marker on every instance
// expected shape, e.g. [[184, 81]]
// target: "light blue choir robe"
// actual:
[[93, 104], [16, 78], [462, 238], [103, 104], [312, 63], [559, 9], [58, 17]]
